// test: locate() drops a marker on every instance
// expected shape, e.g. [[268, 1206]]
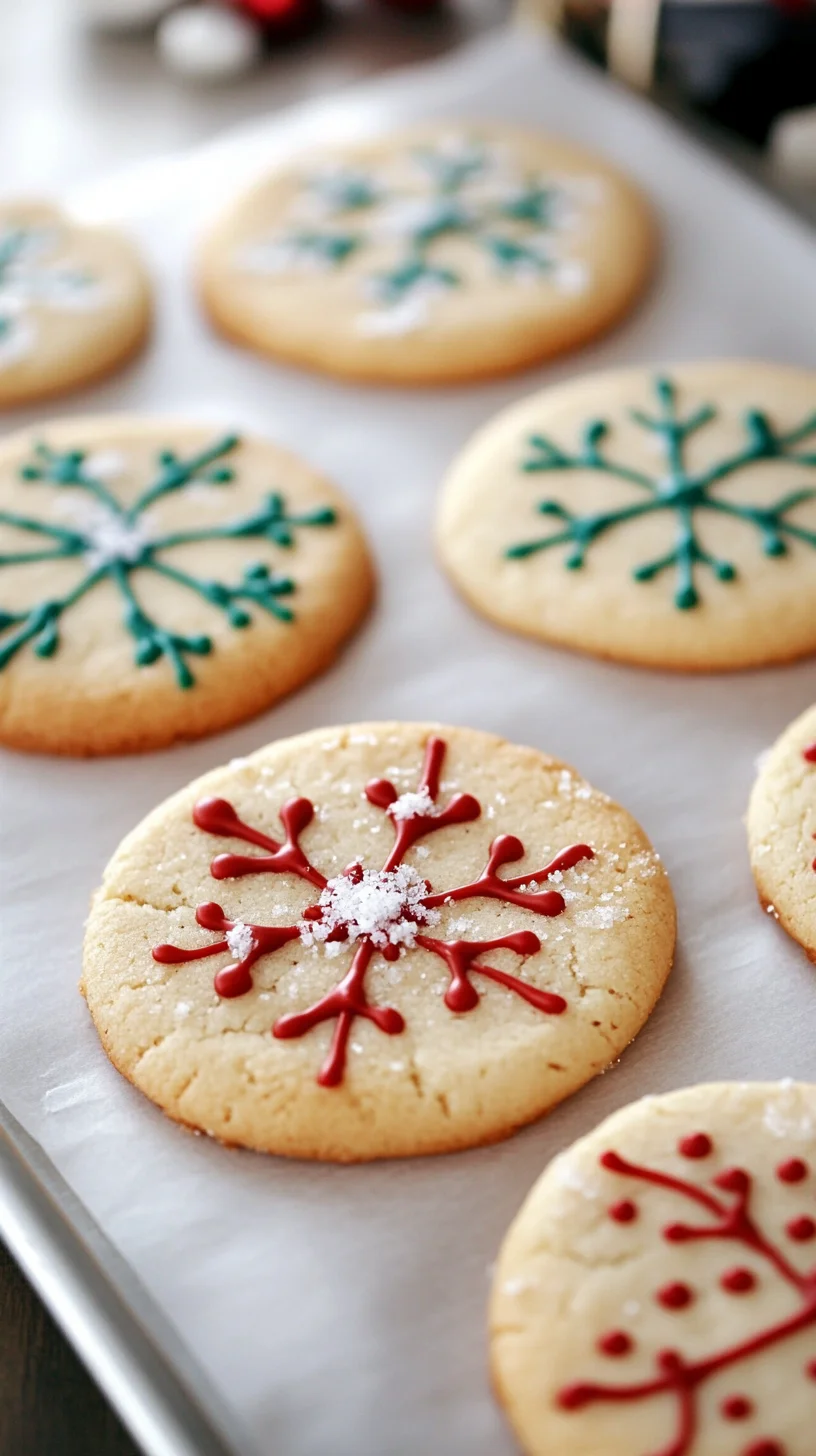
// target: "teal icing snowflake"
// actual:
[[459, 187], [30, 278], [115, 542], [681, 491]]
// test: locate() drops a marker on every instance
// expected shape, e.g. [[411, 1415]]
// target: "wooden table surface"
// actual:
[[74, 106], [49, 1406]]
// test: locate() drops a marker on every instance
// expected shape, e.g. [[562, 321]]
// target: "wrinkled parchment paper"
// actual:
[[341, 1310]]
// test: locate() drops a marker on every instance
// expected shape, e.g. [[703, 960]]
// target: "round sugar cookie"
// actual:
[[656, 1295], [74, 302], [160, 581], [442, 253], [663, 517], [376, 941], [782, 831]]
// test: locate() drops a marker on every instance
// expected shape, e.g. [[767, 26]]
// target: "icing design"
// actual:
[[459, 188], [31, 277], [374, 912], [681, 491], [110, 541], [722, 1212]]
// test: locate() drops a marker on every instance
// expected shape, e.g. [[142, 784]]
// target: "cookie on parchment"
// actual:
[[376, 941], [160, 581], [446, 252], [782, 831], [74, 302], [664, 517], [656, 1295]]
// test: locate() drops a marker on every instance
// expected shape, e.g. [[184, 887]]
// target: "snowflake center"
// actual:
[[110, 538], [424, 219], [385, 907], [677, 490]]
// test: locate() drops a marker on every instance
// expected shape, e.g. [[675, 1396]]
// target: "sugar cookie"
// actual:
[[367, 979], [782, 831], [656, 1296], [441, 253], [661, 517], [160, 581], [74, 302]]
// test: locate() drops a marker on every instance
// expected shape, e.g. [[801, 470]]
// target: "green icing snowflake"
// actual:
[[115, 543], [681, 491], [464, 189]]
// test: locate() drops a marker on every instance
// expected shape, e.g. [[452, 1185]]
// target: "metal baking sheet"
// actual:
[[305, 1310]]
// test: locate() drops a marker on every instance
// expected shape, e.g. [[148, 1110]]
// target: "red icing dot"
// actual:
[[675, 1296], [801, 1229], [623, 1212], [617, 1342], [764, 1448], [733, 1180], [811, 1369], [738, 1281], [809, 753], [737, 1408], [793, 1171], [697, 1145]]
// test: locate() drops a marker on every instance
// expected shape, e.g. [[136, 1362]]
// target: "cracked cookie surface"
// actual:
[[657, 1291], [377, 941]]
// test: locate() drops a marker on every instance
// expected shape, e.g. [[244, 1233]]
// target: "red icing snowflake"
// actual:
[[726, 1204], [382, 912]]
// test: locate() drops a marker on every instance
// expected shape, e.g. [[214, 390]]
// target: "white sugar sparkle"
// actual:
[[601, 917], [109, 537], [408, 805], [385, 906], [240, 940], [104, 464]]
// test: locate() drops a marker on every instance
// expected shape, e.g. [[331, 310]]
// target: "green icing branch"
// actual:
[[681, 492]]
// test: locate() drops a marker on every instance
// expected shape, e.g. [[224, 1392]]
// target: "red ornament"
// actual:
[[283, 19]]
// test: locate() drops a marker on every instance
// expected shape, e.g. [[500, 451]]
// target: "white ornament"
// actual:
[[208, 43]]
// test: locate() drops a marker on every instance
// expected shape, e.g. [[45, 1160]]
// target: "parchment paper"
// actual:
[[342, 1310]]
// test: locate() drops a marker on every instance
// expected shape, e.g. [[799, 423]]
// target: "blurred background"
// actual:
[[88, 85]]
